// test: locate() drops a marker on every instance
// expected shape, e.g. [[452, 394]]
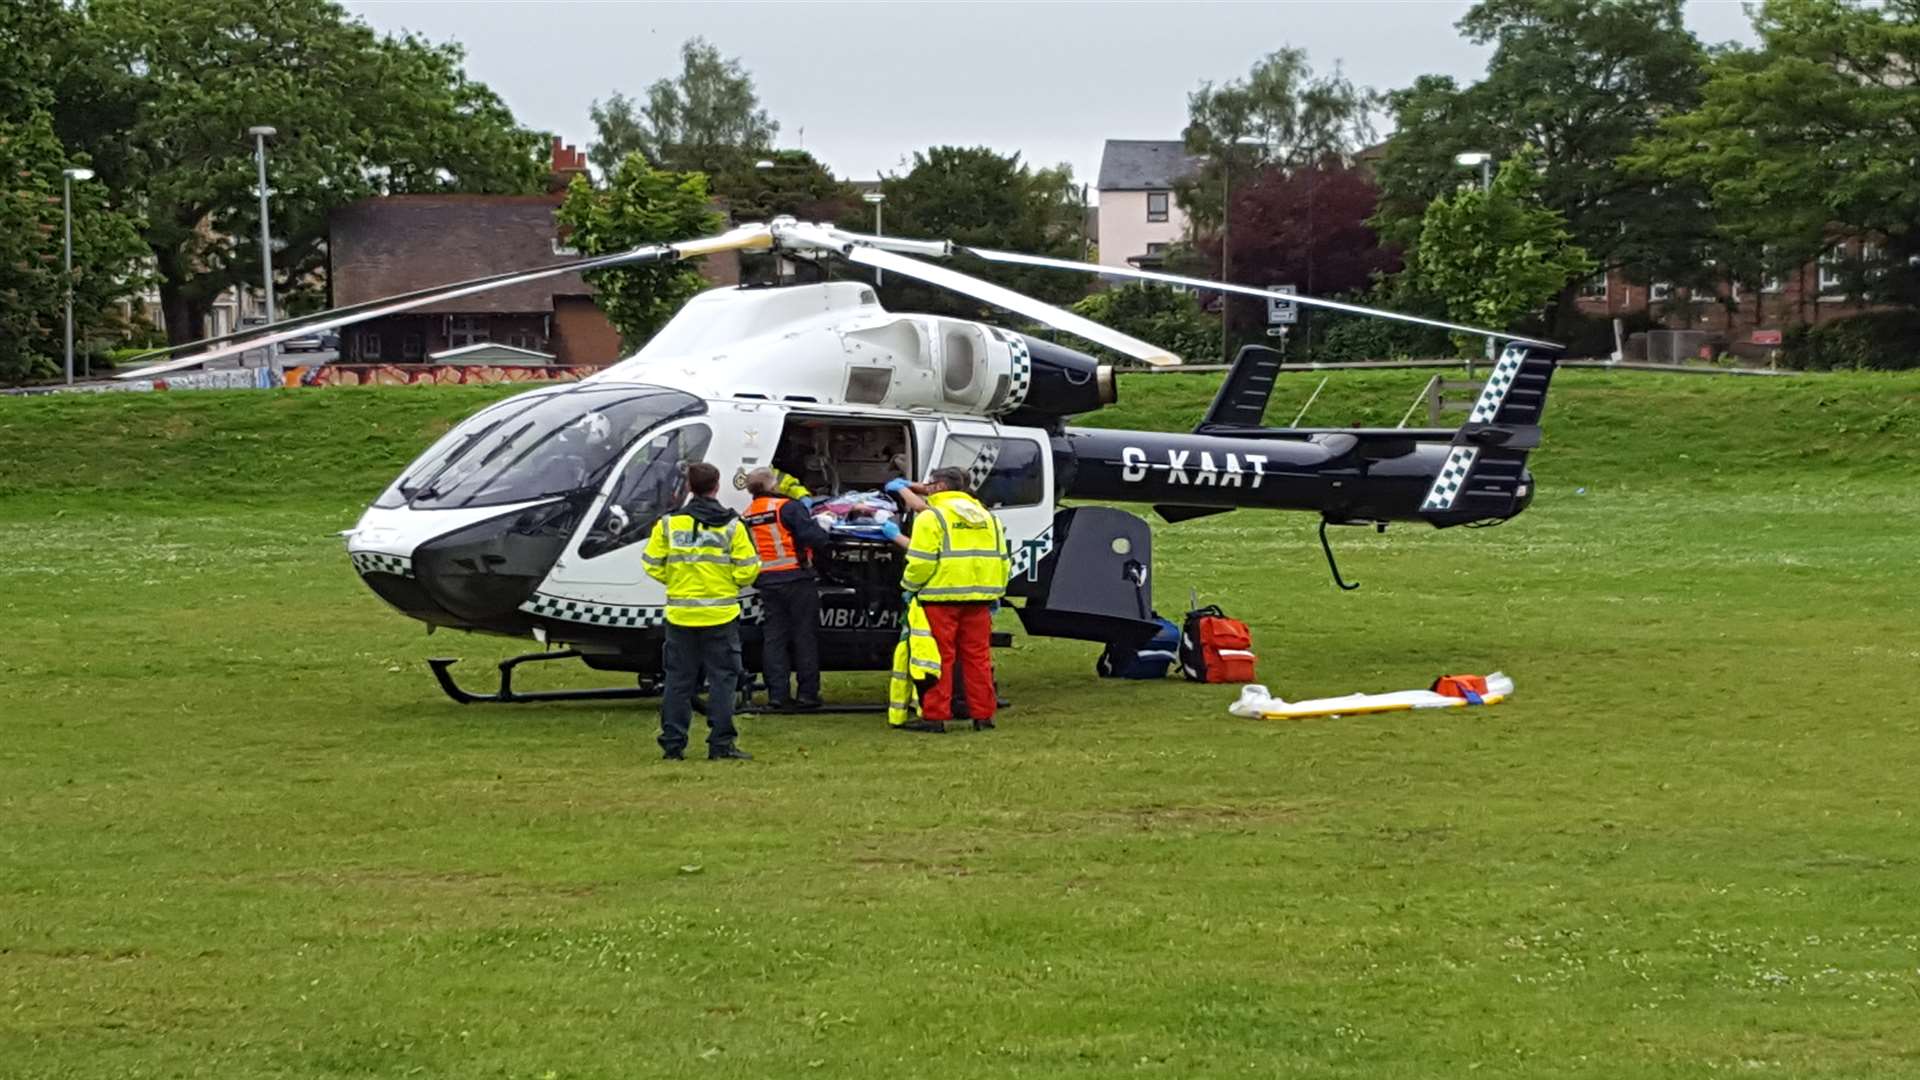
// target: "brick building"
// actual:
[[1814, 293], [403, 243]]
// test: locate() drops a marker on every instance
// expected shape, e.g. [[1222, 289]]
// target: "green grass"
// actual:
[[241, 834]]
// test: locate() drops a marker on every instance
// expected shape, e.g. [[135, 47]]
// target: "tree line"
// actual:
[[1623, 143]]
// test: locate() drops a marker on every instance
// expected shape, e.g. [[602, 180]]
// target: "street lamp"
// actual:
[[66, 206], [1482, 159], [1226, 247], [260, 135], [1468, 160], [876, 198]]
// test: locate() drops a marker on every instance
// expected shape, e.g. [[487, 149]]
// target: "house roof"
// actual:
[[401, 243], [1144, 164], [468, 353]]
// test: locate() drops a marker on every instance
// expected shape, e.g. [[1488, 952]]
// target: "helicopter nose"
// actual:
[[482, 573]]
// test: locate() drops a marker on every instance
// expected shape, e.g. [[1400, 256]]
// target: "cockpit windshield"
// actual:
[[537, 447]]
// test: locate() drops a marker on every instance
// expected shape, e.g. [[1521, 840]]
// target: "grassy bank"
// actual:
[[241, 835]]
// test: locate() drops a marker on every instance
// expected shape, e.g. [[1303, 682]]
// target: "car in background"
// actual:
[[321, 342]]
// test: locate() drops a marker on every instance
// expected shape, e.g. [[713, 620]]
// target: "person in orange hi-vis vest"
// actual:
[[787, 541]]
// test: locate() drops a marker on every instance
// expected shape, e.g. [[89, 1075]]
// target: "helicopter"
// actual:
[[527, 518]]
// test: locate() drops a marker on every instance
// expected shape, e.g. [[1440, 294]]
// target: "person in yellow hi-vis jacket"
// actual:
[[916, 664], [956, 572], [704, 556]]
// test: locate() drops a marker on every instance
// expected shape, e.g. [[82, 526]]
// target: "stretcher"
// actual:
[[1257, 703]]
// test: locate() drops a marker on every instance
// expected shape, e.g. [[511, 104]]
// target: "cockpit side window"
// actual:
[[653, 483]]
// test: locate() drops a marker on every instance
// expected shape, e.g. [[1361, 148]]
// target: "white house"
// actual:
[[1138, 214]]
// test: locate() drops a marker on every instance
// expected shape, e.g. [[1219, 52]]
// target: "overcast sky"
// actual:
[[864, 85]]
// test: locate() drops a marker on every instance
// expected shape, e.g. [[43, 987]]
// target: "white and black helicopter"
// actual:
[[524, 520]]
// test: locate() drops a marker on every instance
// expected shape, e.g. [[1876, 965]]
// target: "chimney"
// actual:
[[567, 164]]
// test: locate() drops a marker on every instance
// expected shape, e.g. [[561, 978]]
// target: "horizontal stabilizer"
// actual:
[[1177, 514]]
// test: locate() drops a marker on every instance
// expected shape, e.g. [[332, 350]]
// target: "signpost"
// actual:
[[1282, 312]]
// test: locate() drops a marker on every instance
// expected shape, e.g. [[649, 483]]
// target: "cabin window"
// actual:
[[1005, 472]]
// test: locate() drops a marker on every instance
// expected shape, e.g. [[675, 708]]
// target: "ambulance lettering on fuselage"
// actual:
[[852, 618], [1182, 468]]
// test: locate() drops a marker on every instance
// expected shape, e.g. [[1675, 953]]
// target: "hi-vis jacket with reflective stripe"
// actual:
[[958, 554], [771, 537], [703, 566], [789, 485], [916, 659]]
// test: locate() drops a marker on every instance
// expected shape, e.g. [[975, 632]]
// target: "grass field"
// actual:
[[241, 834]]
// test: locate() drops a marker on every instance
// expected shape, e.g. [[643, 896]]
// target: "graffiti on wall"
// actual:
[[424, 374]]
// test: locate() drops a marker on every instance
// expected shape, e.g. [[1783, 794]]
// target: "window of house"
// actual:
[[370, 346], [1157, 205], [564, 249], [1156, 250], [468, 330], [1005, 472], [1832, 269], [412, 347], [1594, 288], [1659, 291], [1873, 260]]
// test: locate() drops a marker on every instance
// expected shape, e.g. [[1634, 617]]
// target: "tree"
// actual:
[[33, 286], [161, 96], [793, 184], [640, 205], [709, 118], [1811, 138], [1306, 227], [1496, 254], [1157, 314], [1280, 116], [1579, 80], [106, 249], [979, 198]]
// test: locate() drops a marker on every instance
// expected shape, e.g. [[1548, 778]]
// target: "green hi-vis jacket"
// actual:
[[703, 565], [958, 554]]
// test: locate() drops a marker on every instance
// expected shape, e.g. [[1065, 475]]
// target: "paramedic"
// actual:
[[957, 570], [788, 542], [702, 554]]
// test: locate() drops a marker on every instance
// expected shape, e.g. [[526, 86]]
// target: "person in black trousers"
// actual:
[[787, 541]]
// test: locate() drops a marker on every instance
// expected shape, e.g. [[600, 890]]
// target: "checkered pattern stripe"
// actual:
[[983, 462], [1020, 379], [1447, 485], [376, 562], [751, 610], [1498, 384], [1026, 556], [592, 614]]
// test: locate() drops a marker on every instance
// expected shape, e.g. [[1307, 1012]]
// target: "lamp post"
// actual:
[[1485, 160], [260, 135], [876, 198], [66, 207], [1482, 159], [1226, 246]]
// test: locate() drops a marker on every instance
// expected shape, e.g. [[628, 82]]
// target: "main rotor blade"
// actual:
[[1246, 290], [248, 333], [745, 238], [1058, 318]]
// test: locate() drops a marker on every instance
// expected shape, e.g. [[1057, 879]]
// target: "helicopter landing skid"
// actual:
[[507, 695]]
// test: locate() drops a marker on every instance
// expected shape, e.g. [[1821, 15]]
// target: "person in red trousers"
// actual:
[[957, 571]]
